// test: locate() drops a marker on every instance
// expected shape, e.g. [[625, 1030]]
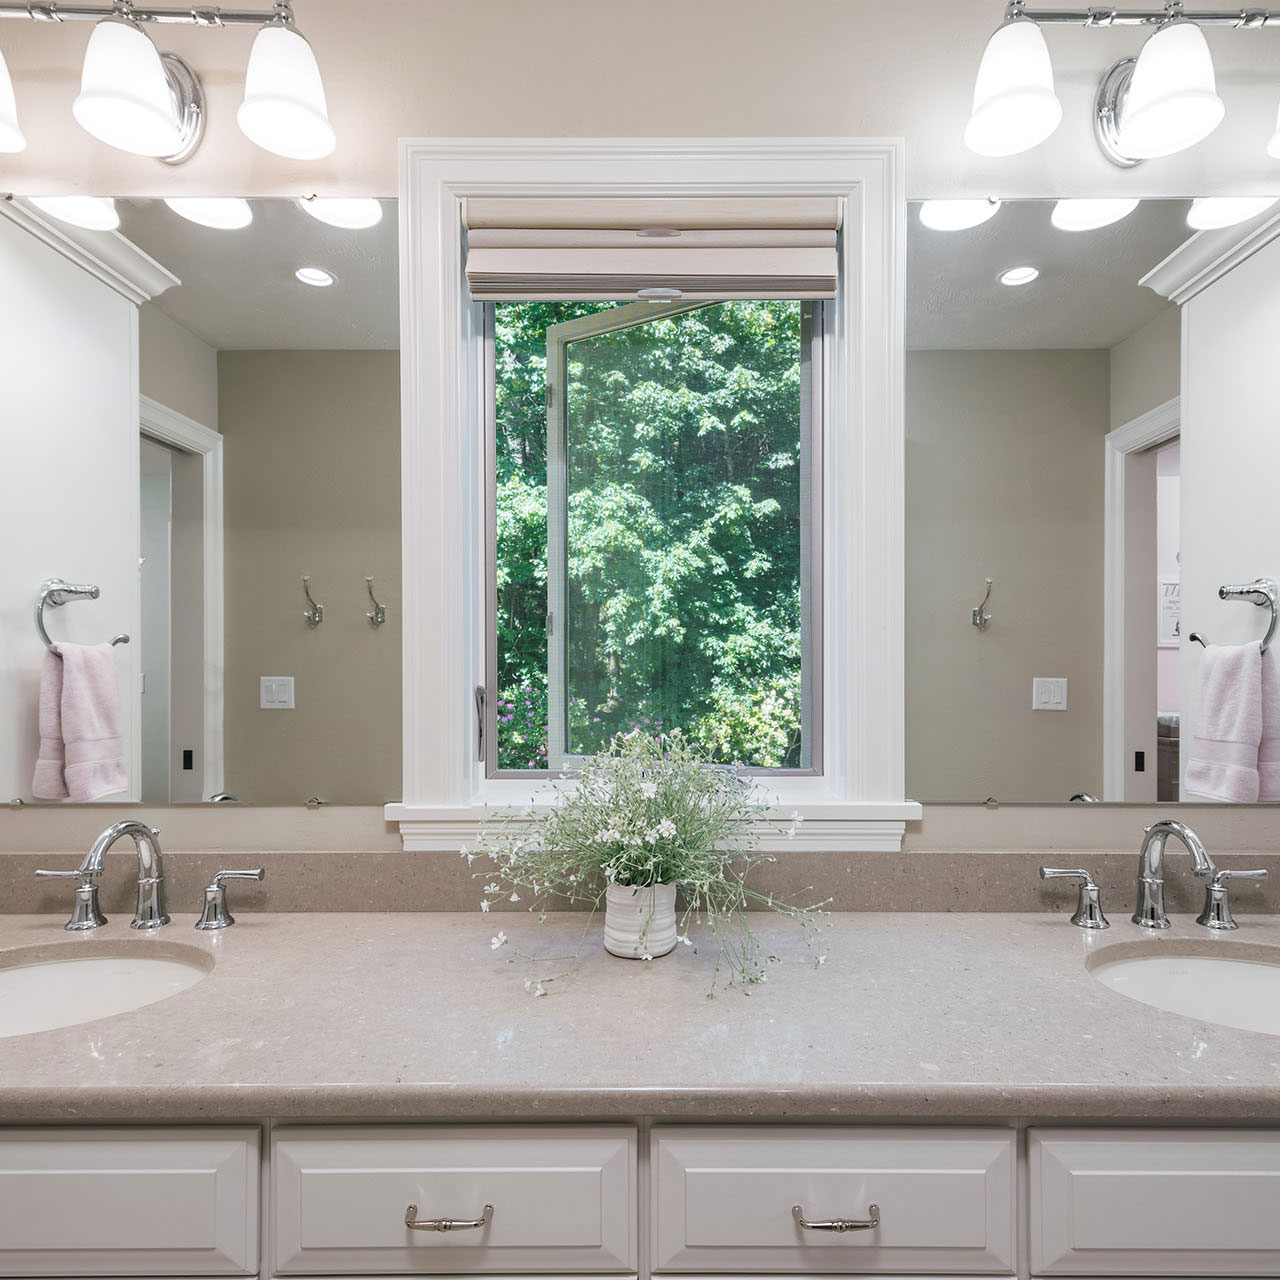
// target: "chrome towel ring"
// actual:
[[55, 592]]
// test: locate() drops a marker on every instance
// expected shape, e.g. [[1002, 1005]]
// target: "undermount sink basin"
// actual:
[[62, 984], [1240, 988]]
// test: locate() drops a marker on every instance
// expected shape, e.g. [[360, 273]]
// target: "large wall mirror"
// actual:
[[1040, 371], [269, 369]]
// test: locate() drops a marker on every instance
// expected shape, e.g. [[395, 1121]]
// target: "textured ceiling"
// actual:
[[1087, 295], [238, 290]]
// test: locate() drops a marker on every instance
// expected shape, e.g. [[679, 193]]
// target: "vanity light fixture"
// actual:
[[1016, 276], [1273, 147], [222, 213], [1014, 105], [94, 213], [1158, 103], [957, 215], [317, 277], [149, 103], [11, 137], [1089, 214], [1211, 212], [350, 213]]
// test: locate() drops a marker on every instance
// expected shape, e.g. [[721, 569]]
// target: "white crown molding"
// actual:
[[106, 255], [1208, 256]]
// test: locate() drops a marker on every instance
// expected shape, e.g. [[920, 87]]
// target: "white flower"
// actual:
[[652, 837], [684, 937], [820, 962], [539, 990], [470, 857], [650, 789], [646, 956], [484, 904], [515, 897], [666, 828], [499, 941], [493, 888]]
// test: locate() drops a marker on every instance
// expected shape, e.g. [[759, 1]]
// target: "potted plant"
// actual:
[[645, 820]]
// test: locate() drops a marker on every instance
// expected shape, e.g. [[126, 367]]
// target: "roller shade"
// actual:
[[615, 250]]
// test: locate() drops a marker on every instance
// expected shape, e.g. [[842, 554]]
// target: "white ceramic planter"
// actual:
[[639, 922]]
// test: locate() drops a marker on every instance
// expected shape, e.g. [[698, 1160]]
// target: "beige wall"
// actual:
[[645, 68], [1004, 480], [312, 459], [1146, 367], [177, 368]]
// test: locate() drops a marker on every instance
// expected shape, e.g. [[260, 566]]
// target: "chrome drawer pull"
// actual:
[[445, 1224], [839, 1224]]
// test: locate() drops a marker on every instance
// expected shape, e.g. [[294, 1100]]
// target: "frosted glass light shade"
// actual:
[[125, 99], [222, 213], [957, 215], [284, 108], [1211, 212], [1172, 101], [350, 213], [94, 213], [1014, 105], [11, 138], [1090, 214]]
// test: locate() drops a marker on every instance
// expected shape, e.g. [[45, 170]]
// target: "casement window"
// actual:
[[653, 479]]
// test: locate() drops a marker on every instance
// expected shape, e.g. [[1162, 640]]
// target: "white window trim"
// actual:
[[859, 801]]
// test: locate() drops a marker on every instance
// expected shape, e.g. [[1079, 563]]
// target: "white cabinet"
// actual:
[[564, 1200], [1149, 1202], [128, 1202], [723, 1200]]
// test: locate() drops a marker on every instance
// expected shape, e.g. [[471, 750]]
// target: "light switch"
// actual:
[[275, 693], [1049, 693]]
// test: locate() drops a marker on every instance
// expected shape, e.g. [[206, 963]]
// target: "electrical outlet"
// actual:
[[1049, 693]]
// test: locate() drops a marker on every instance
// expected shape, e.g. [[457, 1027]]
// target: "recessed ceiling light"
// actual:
[[223, 213], [1089, 215], [316, 276], [1018, 275], [94, 213], [957, 215], [349, 213], [1211, 212]]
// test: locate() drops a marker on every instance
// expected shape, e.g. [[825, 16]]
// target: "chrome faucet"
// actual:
[[1150, 911], [150, 913]]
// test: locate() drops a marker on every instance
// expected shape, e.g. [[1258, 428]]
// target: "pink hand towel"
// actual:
[[49, 783], [1223, 762], [91, 722], [1269, 748]]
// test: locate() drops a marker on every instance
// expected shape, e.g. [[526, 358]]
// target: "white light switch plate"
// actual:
[[1049, 693], [275, 693]]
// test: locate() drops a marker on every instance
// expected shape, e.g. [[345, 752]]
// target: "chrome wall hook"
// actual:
[[979, 617], [315, 614], [378, 614]]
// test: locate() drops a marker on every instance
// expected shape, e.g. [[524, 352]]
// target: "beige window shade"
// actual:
[[613, 249]]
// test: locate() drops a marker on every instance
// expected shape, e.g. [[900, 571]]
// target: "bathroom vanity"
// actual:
[[962, 1082]]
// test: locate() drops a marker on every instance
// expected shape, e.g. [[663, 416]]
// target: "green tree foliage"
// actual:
[[684, 505]]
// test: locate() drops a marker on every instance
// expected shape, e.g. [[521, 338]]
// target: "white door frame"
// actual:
[[159, 422], [1152, 428]]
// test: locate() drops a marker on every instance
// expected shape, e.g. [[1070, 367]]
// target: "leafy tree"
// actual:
[[684, 510]]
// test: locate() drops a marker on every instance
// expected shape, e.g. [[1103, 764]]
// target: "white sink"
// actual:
[[60, 985], [1237, 990]]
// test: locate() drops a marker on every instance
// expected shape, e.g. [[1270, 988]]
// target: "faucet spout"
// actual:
[[150, 913], [1150, 912]]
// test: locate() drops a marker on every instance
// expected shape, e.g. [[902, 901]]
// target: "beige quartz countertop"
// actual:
[[403, 1016]]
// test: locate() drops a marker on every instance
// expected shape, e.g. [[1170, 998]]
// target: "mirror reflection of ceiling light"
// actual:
[[348, 213], [1089, 214], [11, 138], [149, 103], [223, 213], [1212, 212], [1018, 275], [94, 213], [1014, 105], [957, 215], [318, 277], [1273, 147]]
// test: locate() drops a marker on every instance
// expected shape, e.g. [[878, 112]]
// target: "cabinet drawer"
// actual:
[[563, 1200], [1155, 1203], [140, 1202], [722, 1199]]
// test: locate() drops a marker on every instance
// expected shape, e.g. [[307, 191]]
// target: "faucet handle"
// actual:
[[1088, 913], [215, 914], [1217, 910], [86, 914]]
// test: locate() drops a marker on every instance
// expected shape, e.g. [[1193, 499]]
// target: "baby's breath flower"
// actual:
[[484, 904], [499, 941]]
